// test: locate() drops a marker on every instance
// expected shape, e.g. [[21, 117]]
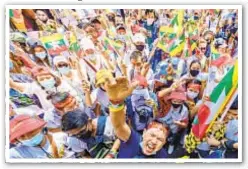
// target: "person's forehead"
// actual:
[[202, 44], [158, 132], [196, 64], [38, 48], [193, 89], [41, 12], [150, 14], [139, 43]]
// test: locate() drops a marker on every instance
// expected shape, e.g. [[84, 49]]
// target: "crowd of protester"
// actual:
[[118, 83]]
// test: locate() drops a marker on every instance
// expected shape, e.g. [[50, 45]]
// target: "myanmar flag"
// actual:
[[219, 98], [214, 53], [177, 46], [74, 46], [168, 31], [55, 43], [110, 44]]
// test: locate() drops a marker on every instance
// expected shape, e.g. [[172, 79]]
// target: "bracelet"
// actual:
[[116, 108]]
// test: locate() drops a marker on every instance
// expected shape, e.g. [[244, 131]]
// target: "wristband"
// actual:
[[116, 108]]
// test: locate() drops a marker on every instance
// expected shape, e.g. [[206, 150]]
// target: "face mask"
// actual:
[[194, 73], [169, 83], [196, 17], [41, 55], [174, 61], [35, 141], [64, 70], [48, 84], [140, 47], [176, 105], [150, 21], [84, 135], [192, 95], [122, 37], [11, 66], [133, 22], [91, 57]]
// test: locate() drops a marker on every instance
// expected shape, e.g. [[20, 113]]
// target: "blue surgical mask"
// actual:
[[48, 83], [11, 65], [174, 61], [41, 55], [64, 70], [35, 141]]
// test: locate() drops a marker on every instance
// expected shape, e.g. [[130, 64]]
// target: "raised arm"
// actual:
[[118, 89]]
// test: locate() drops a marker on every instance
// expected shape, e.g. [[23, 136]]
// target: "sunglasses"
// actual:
[[62, 65], [203, 48]]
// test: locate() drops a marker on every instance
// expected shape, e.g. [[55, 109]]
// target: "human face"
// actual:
[[221, 49], [42, 15], [83, 132], [69, 104], [136, 63], [91, 32], [150, 15], [39, 49], [202, 48], [89, 51], [176, 101], [153, 140], [121, 31], [29, 135], [195, 66]]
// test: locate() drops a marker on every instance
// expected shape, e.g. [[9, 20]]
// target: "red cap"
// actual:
[[177, 95], [23, 124]]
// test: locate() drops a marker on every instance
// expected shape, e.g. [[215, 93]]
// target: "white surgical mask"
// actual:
[[64, 70], [150, 21], [41, 55], [192, 95]]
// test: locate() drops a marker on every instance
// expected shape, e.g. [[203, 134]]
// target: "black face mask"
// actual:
[[140, 47], [196, 17], [169, 83], [176, 105], [194, 72], [84, 135]]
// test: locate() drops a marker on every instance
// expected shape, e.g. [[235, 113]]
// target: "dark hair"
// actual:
[[147, 11], [47, 11], [73, 120], [135, 55], [38, 60], [95, 20], [194, 61], [58, 97]]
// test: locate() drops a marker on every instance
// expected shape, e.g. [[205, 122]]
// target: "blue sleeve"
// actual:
[[229, 144], [129, 107], [130, 148], [162, 153]]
